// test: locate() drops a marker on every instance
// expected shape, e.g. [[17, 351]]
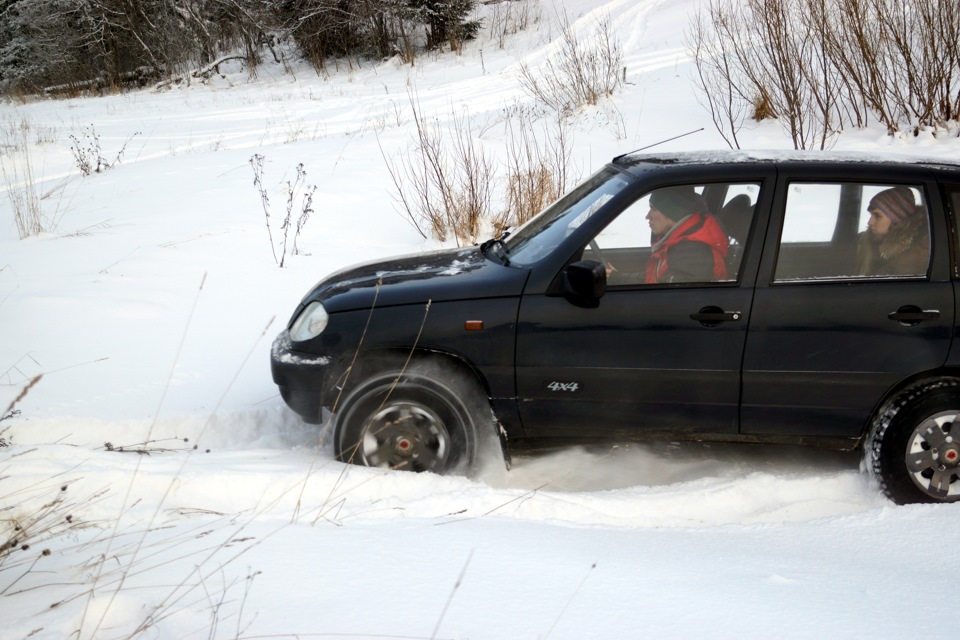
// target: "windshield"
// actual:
[[543, 233]]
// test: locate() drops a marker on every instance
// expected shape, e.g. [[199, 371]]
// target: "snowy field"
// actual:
[[149, 306]]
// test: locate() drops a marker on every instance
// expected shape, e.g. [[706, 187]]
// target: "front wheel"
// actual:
[[914, 445], [409, 420]]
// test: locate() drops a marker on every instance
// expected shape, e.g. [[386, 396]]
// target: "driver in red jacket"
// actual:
[[688, 243]]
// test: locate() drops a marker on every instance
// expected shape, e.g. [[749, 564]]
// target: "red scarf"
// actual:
[[696, 227]]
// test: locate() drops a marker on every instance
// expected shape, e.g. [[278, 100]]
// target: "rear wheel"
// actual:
[[914, 445], [412, 420]]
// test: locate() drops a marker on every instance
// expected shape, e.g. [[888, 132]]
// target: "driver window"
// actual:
[[679, 234]]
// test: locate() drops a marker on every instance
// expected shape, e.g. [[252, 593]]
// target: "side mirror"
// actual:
[[585, 282]]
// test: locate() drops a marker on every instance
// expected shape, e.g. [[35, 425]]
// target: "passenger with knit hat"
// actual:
[[897, 239], [688, 243]]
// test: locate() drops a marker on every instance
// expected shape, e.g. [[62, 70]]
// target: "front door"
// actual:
[[652, 356]]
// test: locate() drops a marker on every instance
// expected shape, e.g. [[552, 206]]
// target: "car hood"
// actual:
[[451, 274]]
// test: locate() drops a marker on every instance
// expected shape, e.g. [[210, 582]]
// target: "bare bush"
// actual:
[[299, 201], [17, 172], [581, 73], [771, 57], [446, 186], [510, 17], [443, 188], [537, 172], [474, 182], [922, 59], [819, 65], [866, 91]]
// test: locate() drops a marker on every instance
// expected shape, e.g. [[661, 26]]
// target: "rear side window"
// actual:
[[853, 231]]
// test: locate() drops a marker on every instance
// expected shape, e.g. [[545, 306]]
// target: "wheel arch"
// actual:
[[379, 360], [897, 451], [904, 386]]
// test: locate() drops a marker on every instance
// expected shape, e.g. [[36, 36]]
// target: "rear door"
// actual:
[[827, 340]]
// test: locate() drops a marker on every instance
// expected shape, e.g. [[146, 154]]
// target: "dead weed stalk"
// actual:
[[299, 207]]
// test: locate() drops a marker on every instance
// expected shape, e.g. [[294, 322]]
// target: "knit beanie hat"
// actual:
[[677, 202], [896, 203]]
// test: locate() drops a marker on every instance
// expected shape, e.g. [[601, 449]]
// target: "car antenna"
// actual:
[[682, 135]]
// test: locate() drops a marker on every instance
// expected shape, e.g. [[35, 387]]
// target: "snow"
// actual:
[[149, 307]]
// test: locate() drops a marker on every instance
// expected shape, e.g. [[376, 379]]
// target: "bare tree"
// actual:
[[717, 76]]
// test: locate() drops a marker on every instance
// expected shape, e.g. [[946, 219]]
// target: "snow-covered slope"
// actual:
[[149, 306]]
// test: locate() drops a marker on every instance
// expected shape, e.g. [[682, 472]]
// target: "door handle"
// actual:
[[713, 316], [911, 315]]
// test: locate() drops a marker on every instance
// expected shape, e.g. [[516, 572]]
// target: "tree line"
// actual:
[[51, 44]]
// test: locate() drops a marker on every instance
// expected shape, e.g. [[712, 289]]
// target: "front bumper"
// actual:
[[303, 378]]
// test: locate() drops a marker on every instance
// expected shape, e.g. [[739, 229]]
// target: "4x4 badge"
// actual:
[[567, 387]]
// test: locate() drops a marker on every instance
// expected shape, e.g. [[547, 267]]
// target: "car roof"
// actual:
[[651, 161]]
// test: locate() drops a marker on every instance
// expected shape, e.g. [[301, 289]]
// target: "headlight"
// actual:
[[310, 324]]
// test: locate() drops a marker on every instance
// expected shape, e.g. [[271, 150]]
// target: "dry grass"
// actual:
[[30, 520], [31, 517], [17, 169]]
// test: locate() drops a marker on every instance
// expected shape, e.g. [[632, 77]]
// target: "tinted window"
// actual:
[[852, 230]]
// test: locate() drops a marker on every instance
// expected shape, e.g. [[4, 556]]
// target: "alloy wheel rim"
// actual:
[[407, 436], [933, 456]]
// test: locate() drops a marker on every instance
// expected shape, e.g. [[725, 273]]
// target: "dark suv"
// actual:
[[802, 324]]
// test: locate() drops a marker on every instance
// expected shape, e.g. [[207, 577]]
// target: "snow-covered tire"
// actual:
[[913, 447], [415, 419]]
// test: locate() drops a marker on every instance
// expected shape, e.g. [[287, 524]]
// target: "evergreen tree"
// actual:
[[446, 21]]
